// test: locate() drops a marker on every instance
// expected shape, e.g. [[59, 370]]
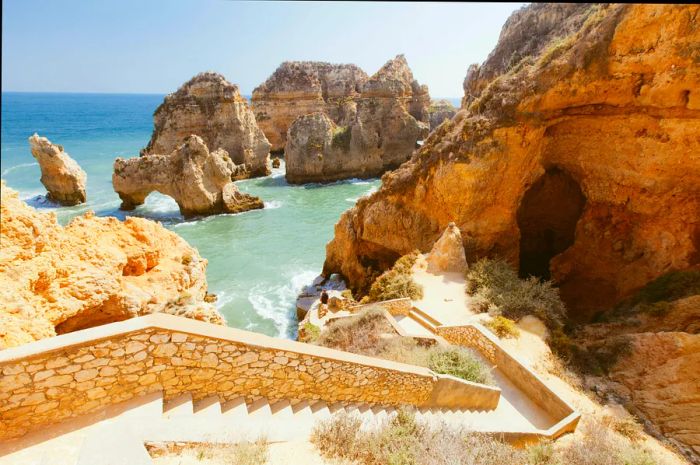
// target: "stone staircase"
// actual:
[[118, 436]]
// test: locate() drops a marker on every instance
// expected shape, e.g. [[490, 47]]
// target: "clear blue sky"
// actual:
[[153, 46]]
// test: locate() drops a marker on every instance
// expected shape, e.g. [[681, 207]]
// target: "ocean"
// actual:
[[258, 260]]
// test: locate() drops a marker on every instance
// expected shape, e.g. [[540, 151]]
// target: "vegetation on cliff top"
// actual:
[[370, 333], [495, 287], [397, 282], [404, 440]]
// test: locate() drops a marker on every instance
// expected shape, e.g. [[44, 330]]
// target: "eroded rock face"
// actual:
[[60, 174], [654, 364], [200, 181], [582, 158], [56, 279], [439, 111], [212, 108], [381, 134], [298, 88], [447, 254]]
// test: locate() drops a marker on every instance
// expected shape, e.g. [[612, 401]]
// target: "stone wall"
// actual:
[[78, 373], [395, 307], [480, 339]]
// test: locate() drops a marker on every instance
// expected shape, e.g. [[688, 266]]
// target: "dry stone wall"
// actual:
[[525, 379], [79, 373]]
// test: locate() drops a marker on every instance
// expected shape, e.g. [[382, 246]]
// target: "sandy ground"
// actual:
[[444, 296]]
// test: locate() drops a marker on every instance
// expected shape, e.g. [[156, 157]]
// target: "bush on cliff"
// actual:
[[494, 286], [503, 327], [397, 282], [405, 440], [655, 296], [371, 334]]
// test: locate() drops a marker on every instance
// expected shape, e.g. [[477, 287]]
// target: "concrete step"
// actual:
[[422, 320], [235, 408], [207, 407], [178, 406], [425, 316], [259, 408], [112, 444]]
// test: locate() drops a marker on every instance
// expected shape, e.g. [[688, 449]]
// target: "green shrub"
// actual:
[[310, 332], [503, 327], [397, 282], [668, 287], [494, 285], [369, 333], [459, 362], [406, 441]]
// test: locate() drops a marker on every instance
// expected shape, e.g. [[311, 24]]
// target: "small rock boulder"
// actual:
[[60, 174], [447, 254]]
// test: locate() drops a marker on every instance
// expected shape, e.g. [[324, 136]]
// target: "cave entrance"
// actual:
[[547, 219]]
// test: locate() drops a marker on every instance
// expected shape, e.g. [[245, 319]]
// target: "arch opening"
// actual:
[[547, 218]]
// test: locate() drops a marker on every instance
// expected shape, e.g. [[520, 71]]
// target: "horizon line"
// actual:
[[132, 93]]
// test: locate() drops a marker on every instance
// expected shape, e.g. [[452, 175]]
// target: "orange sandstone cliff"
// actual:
[[576, 155], [56, 279]]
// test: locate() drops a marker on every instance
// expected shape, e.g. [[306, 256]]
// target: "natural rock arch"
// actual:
[[547, 218]]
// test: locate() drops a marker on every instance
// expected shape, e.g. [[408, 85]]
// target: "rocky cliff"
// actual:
[[56, 279], [378, 134], [298, 88], [200, 181], [651, 355], [60, 174], [439, 111], [212, 108], [578, 159]]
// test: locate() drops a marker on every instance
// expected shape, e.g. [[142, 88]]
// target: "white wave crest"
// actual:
[[16, 167], [273, 204], [276, 303]]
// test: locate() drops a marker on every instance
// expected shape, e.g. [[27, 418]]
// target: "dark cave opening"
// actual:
[[547, 219]]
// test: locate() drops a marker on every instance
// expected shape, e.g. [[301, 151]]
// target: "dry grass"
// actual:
[[406, 441], [244, 453], [503, 327], [397, 282], [369, 333], [495, 287]]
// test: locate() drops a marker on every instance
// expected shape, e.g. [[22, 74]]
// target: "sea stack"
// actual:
[[200, 181], [381, 132], [60, 174], [299, 88], [212, 108]]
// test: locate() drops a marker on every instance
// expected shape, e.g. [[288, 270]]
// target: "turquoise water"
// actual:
[[258, 260]]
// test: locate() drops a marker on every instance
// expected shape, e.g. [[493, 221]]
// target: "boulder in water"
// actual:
[[60, 174]]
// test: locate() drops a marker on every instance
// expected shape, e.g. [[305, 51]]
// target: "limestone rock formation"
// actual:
[[200, 181], [56, 279], [382, 133], [439, 111], [212, 108], [577, 160], [298, 88], [60, 174], [653, 359], [447, 254]]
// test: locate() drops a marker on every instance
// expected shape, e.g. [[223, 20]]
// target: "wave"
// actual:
[[277, 303], [273, 204], [16, 167]]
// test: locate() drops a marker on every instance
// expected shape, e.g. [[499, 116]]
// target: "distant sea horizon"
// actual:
[[456, 101]]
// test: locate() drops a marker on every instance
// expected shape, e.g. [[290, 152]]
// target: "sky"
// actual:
[[153, 46]]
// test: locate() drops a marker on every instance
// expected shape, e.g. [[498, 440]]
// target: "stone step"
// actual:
[[235, 408], [207, 407], [425, 316], [112, 444], [178, 406], [421, 320]]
